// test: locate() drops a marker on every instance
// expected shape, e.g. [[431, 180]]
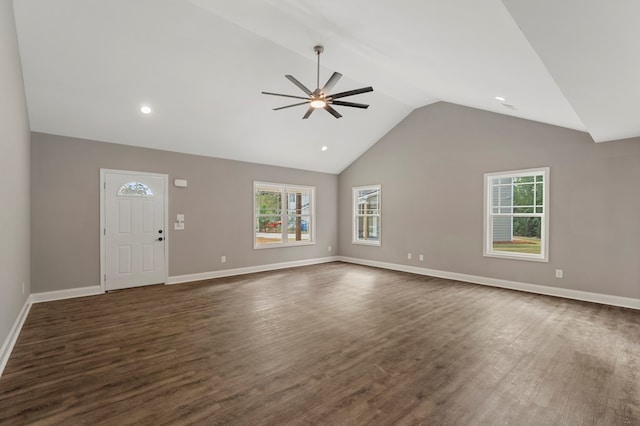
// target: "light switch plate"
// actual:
[[179, 224]]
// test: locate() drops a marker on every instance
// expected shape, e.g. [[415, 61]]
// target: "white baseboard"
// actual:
[[65, 294], [10, 341], [248, 270], [605, 299]]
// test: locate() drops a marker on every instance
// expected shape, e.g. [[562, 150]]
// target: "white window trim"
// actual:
[[285, 242], [488, 223], [354, 216]]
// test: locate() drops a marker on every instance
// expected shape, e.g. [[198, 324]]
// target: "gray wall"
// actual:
[[14, 177], [217, 204], [431, 169]]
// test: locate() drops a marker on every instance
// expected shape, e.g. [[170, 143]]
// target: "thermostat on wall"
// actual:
[[181, 183]]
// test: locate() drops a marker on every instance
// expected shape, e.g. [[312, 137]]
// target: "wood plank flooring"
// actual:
[[333, 344]]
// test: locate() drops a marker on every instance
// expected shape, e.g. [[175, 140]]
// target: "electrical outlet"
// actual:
[[421, 258], [223, 259], [329, 249], [409, 256], [559, 273]]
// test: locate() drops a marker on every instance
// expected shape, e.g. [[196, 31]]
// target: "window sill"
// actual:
[[282, 245], [367, 243], [516, 256]]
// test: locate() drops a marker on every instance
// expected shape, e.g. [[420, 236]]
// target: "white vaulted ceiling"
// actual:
[[201, 64]]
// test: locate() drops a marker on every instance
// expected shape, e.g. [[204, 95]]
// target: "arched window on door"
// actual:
[[135, 189]]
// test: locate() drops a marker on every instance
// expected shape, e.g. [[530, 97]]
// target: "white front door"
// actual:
[[134, 229]]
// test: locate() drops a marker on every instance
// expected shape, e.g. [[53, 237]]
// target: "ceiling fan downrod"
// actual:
[[318, 49]]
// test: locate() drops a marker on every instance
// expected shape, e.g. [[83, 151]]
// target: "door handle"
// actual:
[[159, 239]]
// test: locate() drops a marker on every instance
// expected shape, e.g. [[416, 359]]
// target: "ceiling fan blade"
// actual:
[[331, 82], [351, 93], [349, 104], [300, 85], [289, 106], [308, 113], [285, 96], [332, 111]]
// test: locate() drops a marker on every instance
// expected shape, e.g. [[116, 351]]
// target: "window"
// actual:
[[517, 214], [283, 215], [366, 215], [135, 189]]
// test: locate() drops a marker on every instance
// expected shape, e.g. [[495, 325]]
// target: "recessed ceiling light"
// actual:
[[145, 109], [500, 98], [324, 148]]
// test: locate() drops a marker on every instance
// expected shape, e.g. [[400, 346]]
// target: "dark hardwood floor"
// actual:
[[333, 344]]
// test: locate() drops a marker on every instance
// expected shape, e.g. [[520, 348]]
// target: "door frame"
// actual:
[[102, 230]]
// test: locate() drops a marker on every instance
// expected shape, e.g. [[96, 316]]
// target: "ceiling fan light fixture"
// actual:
[[318, 103]]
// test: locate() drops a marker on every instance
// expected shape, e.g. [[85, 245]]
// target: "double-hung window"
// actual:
[[366, 214], [517, 214], [283, 215]]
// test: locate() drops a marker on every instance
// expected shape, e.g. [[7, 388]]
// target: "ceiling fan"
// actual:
[[319, 98]]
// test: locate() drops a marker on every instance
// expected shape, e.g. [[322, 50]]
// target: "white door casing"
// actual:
[[133, 229]]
